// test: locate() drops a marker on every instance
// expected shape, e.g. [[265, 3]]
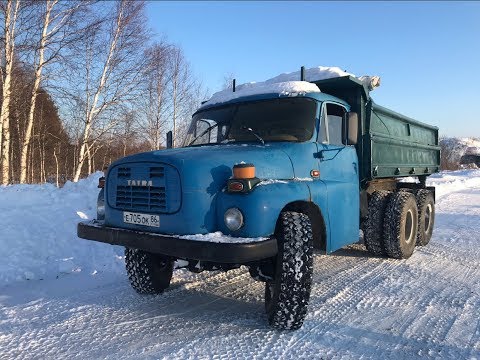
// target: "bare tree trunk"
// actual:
[[36, 85], [10, 21], [43, 176], [93, 108], [174, 110], [89, 160], [56, 166], [32, 156], [93, 162], [176, 70]]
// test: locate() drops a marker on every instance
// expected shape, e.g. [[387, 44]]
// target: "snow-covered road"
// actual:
[[361, 307]]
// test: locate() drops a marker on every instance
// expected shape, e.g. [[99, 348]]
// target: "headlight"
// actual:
[[101, 206], [233, 219]]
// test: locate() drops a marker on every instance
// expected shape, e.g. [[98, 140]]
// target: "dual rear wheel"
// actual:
[[398, 221]]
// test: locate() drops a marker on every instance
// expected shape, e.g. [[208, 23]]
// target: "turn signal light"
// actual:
[[235, 186]]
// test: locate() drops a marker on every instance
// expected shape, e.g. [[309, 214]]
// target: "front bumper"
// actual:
[[175, 246]]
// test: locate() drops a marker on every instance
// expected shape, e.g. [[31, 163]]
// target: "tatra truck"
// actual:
[[269, 174]]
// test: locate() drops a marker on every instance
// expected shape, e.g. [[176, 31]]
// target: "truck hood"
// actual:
[[207, 168]]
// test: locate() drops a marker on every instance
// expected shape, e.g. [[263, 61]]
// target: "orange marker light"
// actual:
[[315, 173], [243, 171]]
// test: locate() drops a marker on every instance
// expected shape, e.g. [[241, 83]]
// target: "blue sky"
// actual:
[[427, 53]]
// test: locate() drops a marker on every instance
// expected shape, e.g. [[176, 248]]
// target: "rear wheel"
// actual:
[[148, 273], [373, 229], [287, 295], [426, 216], [401, 225]]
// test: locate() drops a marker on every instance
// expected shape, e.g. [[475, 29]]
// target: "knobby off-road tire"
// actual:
[[286, 297], [148, 273], [426, 216], [373, 228], [401, 225]]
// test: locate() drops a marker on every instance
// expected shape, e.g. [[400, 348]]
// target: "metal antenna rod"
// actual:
[[302, 73], [233, 86]]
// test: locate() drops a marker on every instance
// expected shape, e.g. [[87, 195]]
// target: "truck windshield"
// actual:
[[285, 119]]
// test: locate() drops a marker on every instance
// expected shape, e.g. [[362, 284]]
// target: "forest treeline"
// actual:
[[83, 83]]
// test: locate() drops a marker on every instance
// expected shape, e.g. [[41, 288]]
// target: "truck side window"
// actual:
[[209, 136], [332, 130]]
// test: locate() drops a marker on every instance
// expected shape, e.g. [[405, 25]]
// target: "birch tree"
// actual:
[[155, 101], [170, 94], [119, 73], [186, 93], [10, 10], [53, 36]]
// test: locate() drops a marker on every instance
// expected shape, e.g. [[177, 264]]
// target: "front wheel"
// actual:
[[148, 273], [287, 295]]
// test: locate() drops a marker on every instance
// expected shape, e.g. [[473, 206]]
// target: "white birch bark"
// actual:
[[56, 166], [11, 13], [36, 85], [93, 107]]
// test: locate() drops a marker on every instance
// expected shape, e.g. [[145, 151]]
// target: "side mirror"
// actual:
[[352, 128], [169, 140]]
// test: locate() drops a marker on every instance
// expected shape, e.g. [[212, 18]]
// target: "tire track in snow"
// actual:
[[344, 302], [324, 286], [78, 328]]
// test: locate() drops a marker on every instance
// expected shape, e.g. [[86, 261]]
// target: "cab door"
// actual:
[[338, 165]]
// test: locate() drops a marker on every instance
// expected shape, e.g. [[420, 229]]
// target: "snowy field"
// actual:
[[66, 298]]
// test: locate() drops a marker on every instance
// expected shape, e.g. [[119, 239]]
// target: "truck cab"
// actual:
[[262, 179]]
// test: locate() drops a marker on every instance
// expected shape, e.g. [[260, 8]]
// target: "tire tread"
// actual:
[[289, 304], [144, 271], [394, 245], [373, 229]]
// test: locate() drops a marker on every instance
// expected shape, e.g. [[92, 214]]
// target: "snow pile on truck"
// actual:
[[287, 88], [289, 84]]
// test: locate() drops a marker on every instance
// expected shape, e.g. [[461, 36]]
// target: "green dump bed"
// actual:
[[396, 145], [389, 144]]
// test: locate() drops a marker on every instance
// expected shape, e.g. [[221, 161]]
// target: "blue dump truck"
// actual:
[[265, 179]]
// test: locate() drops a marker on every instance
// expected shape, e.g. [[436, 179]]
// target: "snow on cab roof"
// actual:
[[288, 84]]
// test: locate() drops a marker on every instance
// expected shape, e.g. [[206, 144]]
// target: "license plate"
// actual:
[[141, 219]]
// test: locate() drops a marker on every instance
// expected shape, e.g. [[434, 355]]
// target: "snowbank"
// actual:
[[288, 84], [448, 182], [38, 225], [454, 148]]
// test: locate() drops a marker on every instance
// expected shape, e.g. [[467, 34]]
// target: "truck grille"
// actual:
[[139, 187], [148, 198]]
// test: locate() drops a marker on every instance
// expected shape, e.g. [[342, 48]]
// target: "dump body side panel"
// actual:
[[398, 145]]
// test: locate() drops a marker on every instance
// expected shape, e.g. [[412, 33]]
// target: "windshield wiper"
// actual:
[[203, 133], [254, 134]]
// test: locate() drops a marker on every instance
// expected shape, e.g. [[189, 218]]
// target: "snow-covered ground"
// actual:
[[78, 303]]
